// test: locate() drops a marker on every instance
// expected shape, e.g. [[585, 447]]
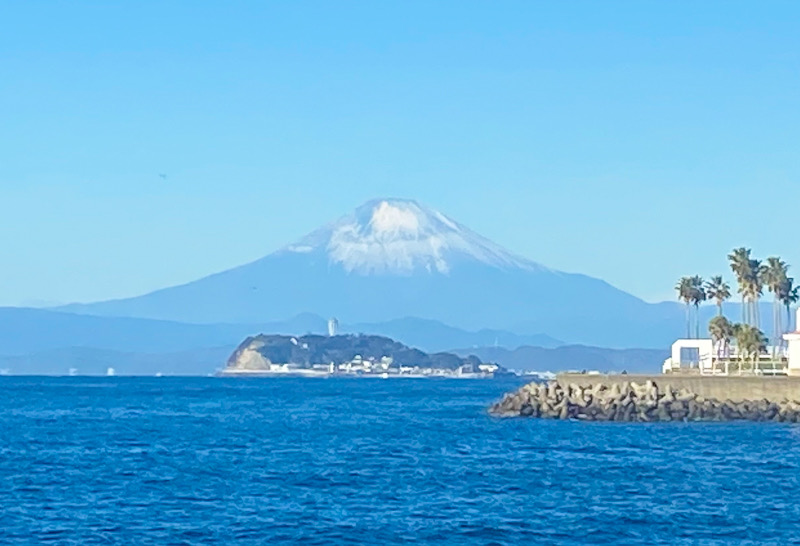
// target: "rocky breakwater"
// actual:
[[636, 402]]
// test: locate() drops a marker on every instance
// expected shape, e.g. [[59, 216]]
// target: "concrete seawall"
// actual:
[[643, 398], [735, 388]]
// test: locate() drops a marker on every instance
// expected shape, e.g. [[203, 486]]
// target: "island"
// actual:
[[347, 355]]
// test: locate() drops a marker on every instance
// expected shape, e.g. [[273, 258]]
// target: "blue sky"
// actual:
[[633, 141]]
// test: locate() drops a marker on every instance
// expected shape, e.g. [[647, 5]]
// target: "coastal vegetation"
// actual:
[[692, 293], [753, 276]]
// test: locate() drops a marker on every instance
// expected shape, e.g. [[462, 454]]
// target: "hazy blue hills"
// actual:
[[36, 341], [92, 361], [572, 357], [207, 360], [24, 330], [432, 335]]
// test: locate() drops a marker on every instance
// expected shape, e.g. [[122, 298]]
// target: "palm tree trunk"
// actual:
[[756, 318], [758, 313], [748, 311], [697, 321], [744, 310], [688, 324], [775, 321]]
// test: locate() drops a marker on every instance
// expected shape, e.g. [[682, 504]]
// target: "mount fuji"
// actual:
[[396, 258]]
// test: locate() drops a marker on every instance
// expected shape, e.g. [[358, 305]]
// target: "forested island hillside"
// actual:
[[266, 352]]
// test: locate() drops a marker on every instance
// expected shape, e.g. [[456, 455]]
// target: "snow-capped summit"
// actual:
[[400, 236]]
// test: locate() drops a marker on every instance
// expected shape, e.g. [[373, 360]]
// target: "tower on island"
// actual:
[[333, 326]]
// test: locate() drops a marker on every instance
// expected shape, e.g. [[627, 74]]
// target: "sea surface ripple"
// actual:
[[368, 461]]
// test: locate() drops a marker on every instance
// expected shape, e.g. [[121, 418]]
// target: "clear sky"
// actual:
[[634, 141]]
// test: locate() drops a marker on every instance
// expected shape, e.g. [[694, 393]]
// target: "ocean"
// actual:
[[369, 461]]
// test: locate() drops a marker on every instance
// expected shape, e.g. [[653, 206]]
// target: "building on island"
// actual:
[[333, 327]]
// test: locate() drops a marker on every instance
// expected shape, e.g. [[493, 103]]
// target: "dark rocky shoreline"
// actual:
[[649, 401]]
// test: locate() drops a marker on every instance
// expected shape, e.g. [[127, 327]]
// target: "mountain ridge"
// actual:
[[397, 258], [572, 358], [26, 330]]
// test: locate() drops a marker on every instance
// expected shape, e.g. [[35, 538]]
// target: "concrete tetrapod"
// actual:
[[635, 402]]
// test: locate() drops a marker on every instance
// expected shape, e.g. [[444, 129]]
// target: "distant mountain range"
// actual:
[[432, 335], [24, 331], [42, 341], [92, 361], [36, 341], [393, 268], [394, 258], [207, 360], [572, 357]]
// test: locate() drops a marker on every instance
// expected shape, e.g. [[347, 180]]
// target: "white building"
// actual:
[[690, 355], [793, 341], [333, 327], [700, 356]]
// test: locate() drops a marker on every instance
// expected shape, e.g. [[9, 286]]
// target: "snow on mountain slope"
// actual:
[[401, 237]]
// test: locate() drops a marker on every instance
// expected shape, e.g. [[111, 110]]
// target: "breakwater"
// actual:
[[655, 398]]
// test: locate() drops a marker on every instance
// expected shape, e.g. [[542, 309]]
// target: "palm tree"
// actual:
[[718, 290], [739, 336], [684, 289], [721, 330], [740, 265], [749, 275], [758, 343], [774, 277], [755, 284], [698, 296], [789, 295], [750, 341]]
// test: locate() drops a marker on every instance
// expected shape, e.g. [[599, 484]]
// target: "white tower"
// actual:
[[333, 326]]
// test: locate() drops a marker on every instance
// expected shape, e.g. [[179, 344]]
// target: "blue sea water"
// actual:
[[361, 461]]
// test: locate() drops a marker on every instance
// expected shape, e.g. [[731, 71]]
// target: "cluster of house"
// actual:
[[384, 366], [360, 366]]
